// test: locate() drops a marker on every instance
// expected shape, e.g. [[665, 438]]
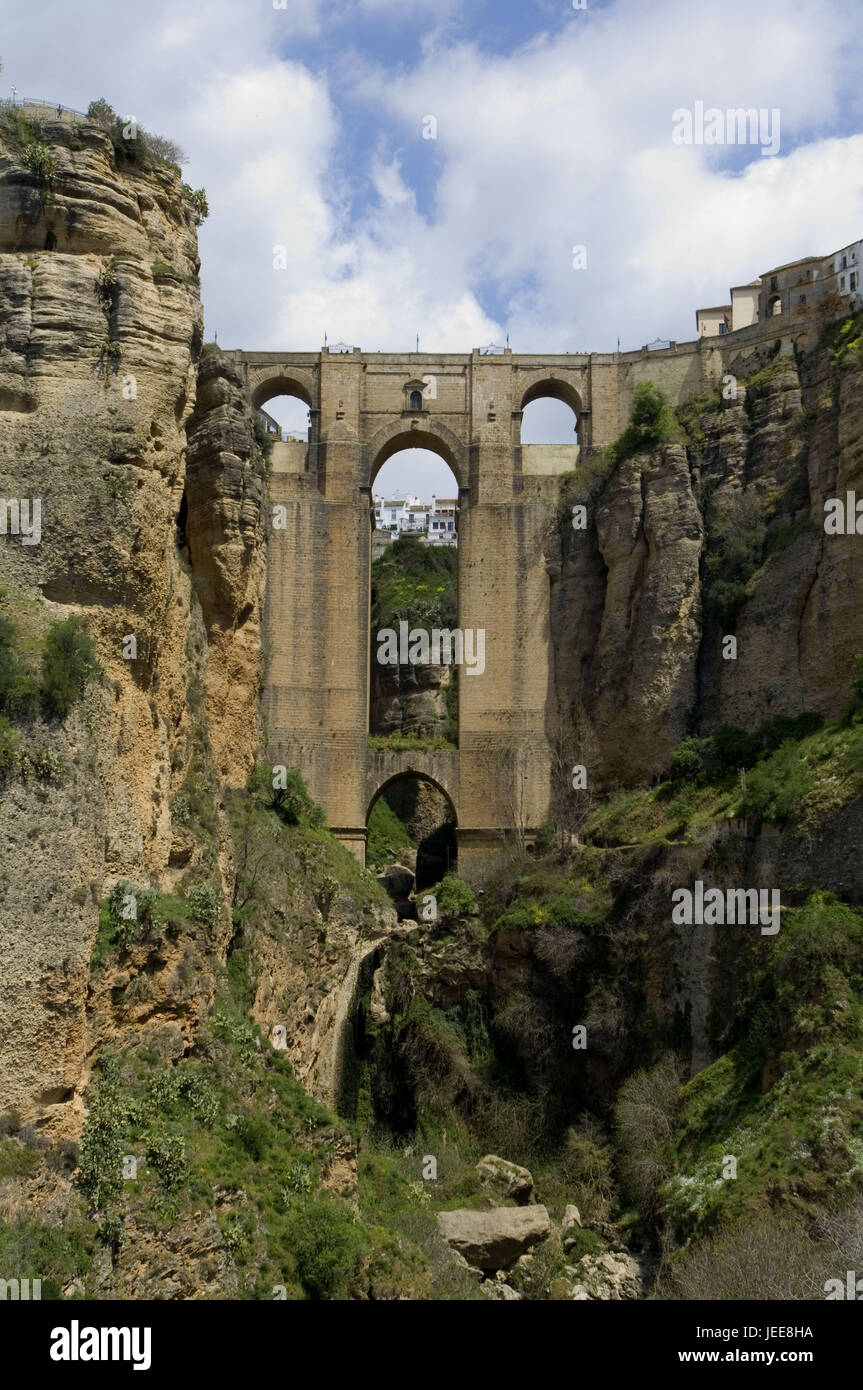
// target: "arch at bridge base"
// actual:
[[478, 850]]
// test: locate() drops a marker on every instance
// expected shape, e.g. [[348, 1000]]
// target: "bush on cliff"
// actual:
[[453, 896], [19, 693], [652, 422], [68, 663], [291, 802]]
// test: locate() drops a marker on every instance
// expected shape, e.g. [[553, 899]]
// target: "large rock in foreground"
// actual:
[[494, 1239]]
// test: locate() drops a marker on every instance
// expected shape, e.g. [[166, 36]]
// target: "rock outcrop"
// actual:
[[494, 1239], [509, 1180], [643, 598], [100, 335]]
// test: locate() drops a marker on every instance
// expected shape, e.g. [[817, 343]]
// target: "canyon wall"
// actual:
[[644, 596], [100, 338]]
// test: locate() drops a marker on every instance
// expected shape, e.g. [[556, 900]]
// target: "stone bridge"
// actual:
[[364, 407]]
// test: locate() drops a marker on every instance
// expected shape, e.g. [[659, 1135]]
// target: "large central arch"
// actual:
[[400, 434]]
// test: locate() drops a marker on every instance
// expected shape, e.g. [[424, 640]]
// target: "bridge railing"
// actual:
[[57, 107]]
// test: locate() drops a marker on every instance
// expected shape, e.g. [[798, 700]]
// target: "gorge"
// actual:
[[198, 968]]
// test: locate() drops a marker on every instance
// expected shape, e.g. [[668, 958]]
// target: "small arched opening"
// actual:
[[411, 838], [551, 414], [283, 410]]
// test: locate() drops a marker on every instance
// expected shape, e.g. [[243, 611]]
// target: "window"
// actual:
[[723, 328], [803, 299], [841, 282], [853, 285], [416, 400], [773, 282], [844, 262]]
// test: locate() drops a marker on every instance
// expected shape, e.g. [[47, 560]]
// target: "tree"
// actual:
[[102, 113]]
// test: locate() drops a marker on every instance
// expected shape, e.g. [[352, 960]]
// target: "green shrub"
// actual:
[[100, 1171], [687, 761], [454, 898], [737, 539], [101, 113], [198, 198], [782, 727], [167, 1154], [204, 902], [292, 802], [17, 130], [774, 789], [651, 422], [255, 1135], [68, 663], [729, 749], [40, 161], [328, 1245], [9, 747], [127, 914], [49, 765]]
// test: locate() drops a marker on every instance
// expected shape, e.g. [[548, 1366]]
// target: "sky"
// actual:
[[309, 127]]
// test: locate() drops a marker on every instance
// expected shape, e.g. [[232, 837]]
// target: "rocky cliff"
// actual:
[[101, 337], [718, 535]]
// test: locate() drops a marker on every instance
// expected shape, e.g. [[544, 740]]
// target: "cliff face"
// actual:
[[99, 340], [721, 536]]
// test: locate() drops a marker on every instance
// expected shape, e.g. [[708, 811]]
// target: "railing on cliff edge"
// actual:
[[56, 106]]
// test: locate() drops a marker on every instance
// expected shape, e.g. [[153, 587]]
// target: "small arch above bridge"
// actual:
[[551, 388], [281, 385]]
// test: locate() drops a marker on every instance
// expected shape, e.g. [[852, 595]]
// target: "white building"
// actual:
[[789, 291], [409, 516], [442, 521]]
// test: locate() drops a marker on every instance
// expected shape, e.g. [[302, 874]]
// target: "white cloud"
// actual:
[[564, 141]]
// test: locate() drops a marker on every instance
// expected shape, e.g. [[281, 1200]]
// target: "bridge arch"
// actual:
[[557, 390], [417, 775], [398, 435], [554, 425], [279, 384], [436, 845]]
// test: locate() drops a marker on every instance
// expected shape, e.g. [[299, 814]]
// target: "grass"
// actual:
[[386, 834]]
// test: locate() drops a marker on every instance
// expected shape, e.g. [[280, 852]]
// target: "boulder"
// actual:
[[494, 1239], [397, 880], [612, 1274], [508, 1179], [571, 1217], [570, 1228], [502, 1293]]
